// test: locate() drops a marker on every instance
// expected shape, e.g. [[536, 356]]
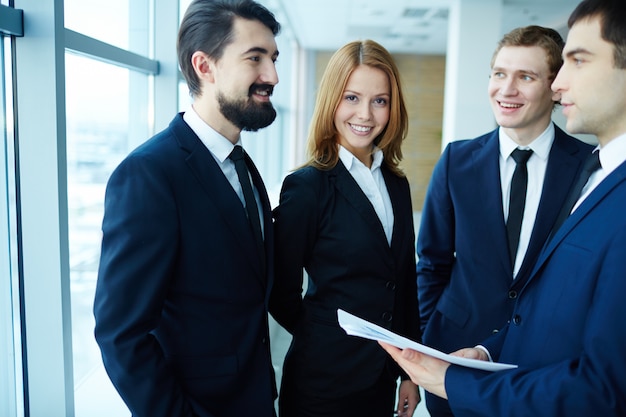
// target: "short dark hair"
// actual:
[[207, 26], [546, 38], [612, 16]]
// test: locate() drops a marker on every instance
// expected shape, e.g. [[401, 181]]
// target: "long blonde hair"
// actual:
[[322, 140]]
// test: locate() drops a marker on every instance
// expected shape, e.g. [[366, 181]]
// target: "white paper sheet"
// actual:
[[356, 326]]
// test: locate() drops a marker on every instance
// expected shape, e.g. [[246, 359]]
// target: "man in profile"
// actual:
[[187, 254], [493, 200], [566, 330]]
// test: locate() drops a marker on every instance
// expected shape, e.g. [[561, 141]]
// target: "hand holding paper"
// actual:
[[356, 326]]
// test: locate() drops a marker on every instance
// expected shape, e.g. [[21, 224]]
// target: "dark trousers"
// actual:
[[376, 401]]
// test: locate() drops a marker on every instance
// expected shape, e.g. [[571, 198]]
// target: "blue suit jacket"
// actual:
[[326, 225], [567, 330], [181, 300], [465, 284]]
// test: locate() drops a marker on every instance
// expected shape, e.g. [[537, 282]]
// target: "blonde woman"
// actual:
[[346, 219]]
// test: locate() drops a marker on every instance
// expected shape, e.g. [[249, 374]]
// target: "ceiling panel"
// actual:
[[402, 26]]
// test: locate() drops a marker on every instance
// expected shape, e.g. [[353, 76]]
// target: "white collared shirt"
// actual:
[[612, 155], [536, 165], [220, 148], [372, 183]]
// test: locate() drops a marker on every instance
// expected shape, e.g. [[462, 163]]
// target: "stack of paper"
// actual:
[[356, 326]]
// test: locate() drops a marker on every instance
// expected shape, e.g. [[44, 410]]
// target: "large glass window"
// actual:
[[102, 118], [11, 393], [111, 21], [103, 97], [108, 113]]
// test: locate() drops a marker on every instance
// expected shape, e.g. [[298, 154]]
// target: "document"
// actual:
[[356, 326]]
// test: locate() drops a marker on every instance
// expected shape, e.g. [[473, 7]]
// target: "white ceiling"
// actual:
[[402, 26]]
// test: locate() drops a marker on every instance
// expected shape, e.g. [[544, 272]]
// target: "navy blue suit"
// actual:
[[567, 329], [326, 225], [181, 300], [465, 284]]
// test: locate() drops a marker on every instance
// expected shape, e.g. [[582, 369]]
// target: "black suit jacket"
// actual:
[[326, 225], [181, 299]]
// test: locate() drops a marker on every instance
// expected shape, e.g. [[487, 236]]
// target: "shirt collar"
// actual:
[[349, 159], [540, 146], [215, 142], [613, 154]]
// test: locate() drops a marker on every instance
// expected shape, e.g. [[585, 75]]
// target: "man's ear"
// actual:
[[204, 66]]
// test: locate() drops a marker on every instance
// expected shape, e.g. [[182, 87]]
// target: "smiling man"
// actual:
[[479, 237], [566, 331], [187, 254]]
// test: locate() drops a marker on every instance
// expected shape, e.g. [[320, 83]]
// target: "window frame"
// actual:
[[41, 167]]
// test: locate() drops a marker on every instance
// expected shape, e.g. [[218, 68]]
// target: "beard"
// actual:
[[246, 114]]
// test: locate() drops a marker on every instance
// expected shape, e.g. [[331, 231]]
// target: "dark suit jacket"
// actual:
[[567, 329], [326, 224], [181, 300], [465, 284]]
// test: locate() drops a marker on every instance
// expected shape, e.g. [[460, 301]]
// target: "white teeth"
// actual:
[[510, 106], [361, 128]]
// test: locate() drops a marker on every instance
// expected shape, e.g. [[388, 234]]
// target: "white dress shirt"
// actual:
[[372, 183], [536, 165], [612, 155], [220, 148]]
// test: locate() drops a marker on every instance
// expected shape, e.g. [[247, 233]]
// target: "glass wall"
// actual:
[[10, 338], [98, 130], [108, 112], [93, 81]]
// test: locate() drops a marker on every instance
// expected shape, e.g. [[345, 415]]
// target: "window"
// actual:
[[108, 113], [99, 135], [11, 394], [10, 337], [86, 95]]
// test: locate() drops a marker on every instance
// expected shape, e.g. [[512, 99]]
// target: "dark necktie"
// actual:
[[517, 200], [237, 157], [592, 164]]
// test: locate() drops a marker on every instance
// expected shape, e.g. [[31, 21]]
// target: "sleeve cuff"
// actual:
[[484, 349]]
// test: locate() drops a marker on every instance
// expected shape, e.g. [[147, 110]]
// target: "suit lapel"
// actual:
[[396, 194], [603, 189], [219, 190], [353, 194], [560, 174], [487, 171], [268, 227]]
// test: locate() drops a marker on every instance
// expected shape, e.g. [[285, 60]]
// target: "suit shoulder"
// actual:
[[163, 145], [308, 174], [571, 144], [310, 180], [469, 145]]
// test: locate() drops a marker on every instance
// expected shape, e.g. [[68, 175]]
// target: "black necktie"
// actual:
[[592, 164], [251, 208], [517, 200]]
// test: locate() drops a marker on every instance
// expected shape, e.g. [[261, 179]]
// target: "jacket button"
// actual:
[[517, 319], [391, 286], [494, 331], [512, 294], [387, 316]]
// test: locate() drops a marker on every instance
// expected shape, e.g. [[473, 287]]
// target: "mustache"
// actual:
[[255, 88]]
